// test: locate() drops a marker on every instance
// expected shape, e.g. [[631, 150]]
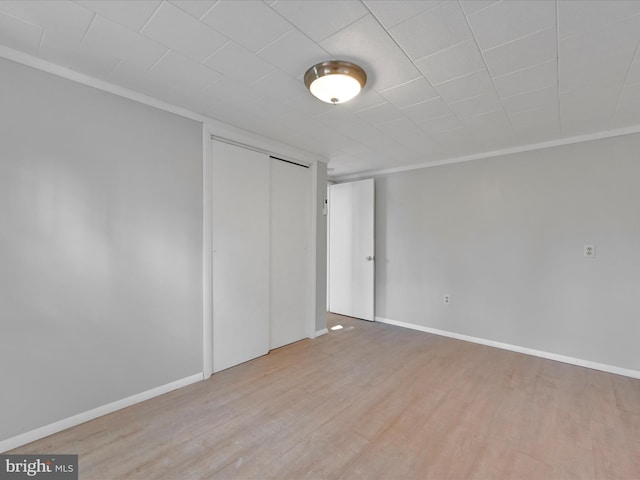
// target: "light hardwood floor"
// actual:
[[373, 401]]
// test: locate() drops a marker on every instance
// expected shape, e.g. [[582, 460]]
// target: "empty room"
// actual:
[[319, 239]]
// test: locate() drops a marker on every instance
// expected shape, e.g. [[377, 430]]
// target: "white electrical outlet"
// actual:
[[446, 299], [589, 251]]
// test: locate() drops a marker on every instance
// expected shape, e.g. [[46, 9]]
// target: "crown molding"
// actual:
[[235, 133], [214, 125], [495, 153]]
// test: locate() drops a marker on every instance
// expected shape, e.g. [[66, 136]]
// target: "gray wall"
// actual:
[[100, 248], [504, 237]]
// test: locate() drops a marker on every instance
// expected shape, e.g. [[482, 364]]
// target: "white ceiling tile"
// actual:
[[279, 86], [320, 19], [195, 8], [23, 36], [452, 136], [618, 38], [472, 85], [489, 123], [628, 111], [407, 146], [498, 140], [379, 114], [470, 6], [503, 22], [436, 29], [321, 133], [338, 119], [401, 128], [581, 125], [633, 76], [400, 117], [59, 48], [399, 70], [239, 63], [474, 106], [462, 150], [344, 164], [604, 72], [251, 23], [342, 118], [528, 79], [457, 141], [109, 38], [530, 100], [531, 134], [418, 148], [591, 102], [373, 137], [293, 53], [392, 12], [179, 31], [543, 115], [187, 98], [576, 17], [232, 114], [274, 109], [309, 104], [133, 14], [410, 93], [587, 110], [294, 121], [65, 19], [181, 70], [424, 111], [441, 124], [356, 149], [366, 99], [451, 62], [365, 42], [228, 90], [135, 77], [522, 53], [492, 130]]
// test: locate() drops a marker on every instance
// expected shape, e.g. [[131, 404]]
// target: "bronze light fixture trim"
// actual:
[[335, 81]]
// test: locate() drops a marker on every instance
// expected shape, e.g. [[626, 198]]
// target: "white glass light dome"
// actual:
[[335, 81]]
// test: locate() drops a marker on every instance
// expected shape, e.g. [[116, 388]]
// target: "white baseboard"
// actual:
[[515, 348], [324, 331], [38, 433]]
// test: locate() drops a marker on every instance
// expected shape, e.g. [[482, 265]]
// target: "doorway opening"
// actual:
[[351, 250]]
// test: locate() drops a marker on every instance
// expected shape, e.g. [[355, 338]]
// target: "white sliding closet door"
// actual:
[[290, 256], [241, 250]]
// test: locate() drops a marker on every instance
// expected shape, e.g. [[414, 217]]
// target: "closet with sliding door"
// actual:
[[261, 252]]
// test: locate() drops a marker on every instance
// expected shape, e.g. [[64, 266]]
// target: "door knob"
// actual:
[[369, 258]]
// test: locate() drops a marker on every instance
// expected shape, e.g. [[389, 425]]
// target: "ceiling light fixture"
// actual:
[[335, 81]]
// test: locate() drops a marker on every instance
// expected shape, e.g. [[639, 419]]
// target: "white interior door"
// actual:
[[351, 249], [241, 251], [290, 265]]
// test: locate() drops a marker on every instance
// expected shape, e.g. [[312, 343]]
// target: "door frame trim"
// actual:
[[329, 253], [207, 254]]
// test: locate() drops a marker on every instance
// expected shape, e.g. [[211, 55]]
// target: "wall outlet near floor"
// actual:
[[446, 299], [589, 251]]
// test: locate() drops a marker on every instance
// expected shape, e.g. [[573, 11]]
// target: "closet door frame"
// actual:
[[211, 130]]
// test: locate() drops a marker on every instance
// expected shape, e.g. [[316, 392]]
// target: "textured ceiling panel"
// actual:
[[446, 78]]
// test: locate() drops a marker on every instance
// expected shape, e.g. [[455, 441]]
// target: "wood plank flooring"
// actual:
[[373, 401]]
